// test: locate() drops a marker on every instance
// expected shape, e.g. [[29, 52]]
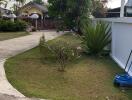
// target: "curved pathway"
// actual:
[[9, 48]]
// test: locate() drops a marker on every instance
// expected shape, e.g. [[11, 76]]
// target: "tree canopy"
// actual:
[[99, 8], [73, 13], [70, 11]]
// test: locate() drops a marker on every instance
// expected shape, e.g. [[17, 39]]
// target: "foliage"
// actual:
[[60, 51], [69, 11], [99, 8], [96, 37], [63, 53], [9, 26], [38, 1], [88, 78]]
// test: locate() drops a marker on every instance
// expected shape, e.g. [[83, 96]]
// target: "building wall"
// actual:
[[121, 40]]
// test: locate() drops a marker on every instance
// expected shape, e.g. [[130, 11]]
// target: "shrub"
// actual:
[[63, 53], [60, 51], [96, 37], [9, 26], [20, 25]]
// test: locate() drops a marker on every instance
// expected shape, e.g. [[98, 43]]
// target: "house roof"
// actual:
[[42, 8], [4, 9]]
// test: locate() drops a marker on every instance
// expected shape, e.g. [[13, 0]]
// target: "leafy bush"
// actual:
[[9, 26], [63, 53], [96, 37], [20, 25], [60, 51]]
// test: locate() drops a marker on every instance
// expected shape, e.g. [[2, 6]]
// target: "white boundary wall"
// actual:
[[121, 39]]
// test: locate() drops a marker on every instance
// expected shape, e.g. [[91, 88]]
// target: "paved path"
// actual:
[[12, 47]]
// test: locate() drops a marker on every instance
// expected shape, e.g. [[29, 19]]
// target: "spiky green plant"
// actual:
[[96, 37]]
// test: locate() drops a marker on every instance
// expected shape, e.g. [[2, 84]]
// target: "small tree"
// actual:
[[60, 51], [63, 53]]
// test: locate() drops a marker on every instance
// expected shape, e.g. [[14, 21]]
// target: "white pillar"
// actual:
[[36, 24], [122, 8]]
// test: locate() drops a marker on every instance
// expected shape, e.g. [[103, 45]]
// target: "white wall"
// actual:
[[121, 40]]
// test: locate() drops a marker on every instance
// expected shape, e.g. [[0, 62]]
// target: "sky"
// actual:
[[111, 4], [115, 3]]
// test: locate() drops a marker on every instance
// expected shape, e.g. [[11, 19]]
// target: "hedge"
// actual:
[[10, 26]]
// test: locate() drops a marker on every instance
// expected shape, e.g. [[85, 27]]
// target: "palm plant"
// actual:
[[96, 37]]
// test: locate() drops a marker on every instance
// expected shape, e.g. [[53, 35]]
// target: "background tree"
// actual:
[[57, 8], [38, 1], [69, 11], [99, 8], [17, 4], [14, 7]]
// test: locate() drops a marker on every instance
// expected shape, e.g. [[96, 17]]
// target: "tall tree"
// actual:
[[70, 11], [99, 8]]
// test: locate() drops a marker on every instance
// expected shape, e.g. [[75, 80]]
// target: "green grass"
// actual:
[[10, 35], [88, 78]]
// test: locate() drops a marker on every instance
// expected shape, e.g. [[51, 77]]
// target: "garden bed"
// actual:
[[87, 78]]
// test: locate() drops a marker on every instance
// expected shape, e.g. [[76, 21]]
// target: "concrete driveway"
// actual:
[[9, 48]]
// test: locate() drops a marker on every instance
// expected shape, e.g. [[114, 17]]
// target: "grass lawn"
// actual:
[[10, 35], [88, 78]]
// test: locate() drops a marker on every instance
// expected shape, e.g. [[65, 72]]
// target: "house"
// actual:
[[43, 22], [121, 29], [116, 11], [31, 8], [4, 12]]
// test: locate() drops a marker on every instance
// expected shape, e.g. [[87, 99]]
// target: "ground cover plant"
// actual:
[[87, 78]]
